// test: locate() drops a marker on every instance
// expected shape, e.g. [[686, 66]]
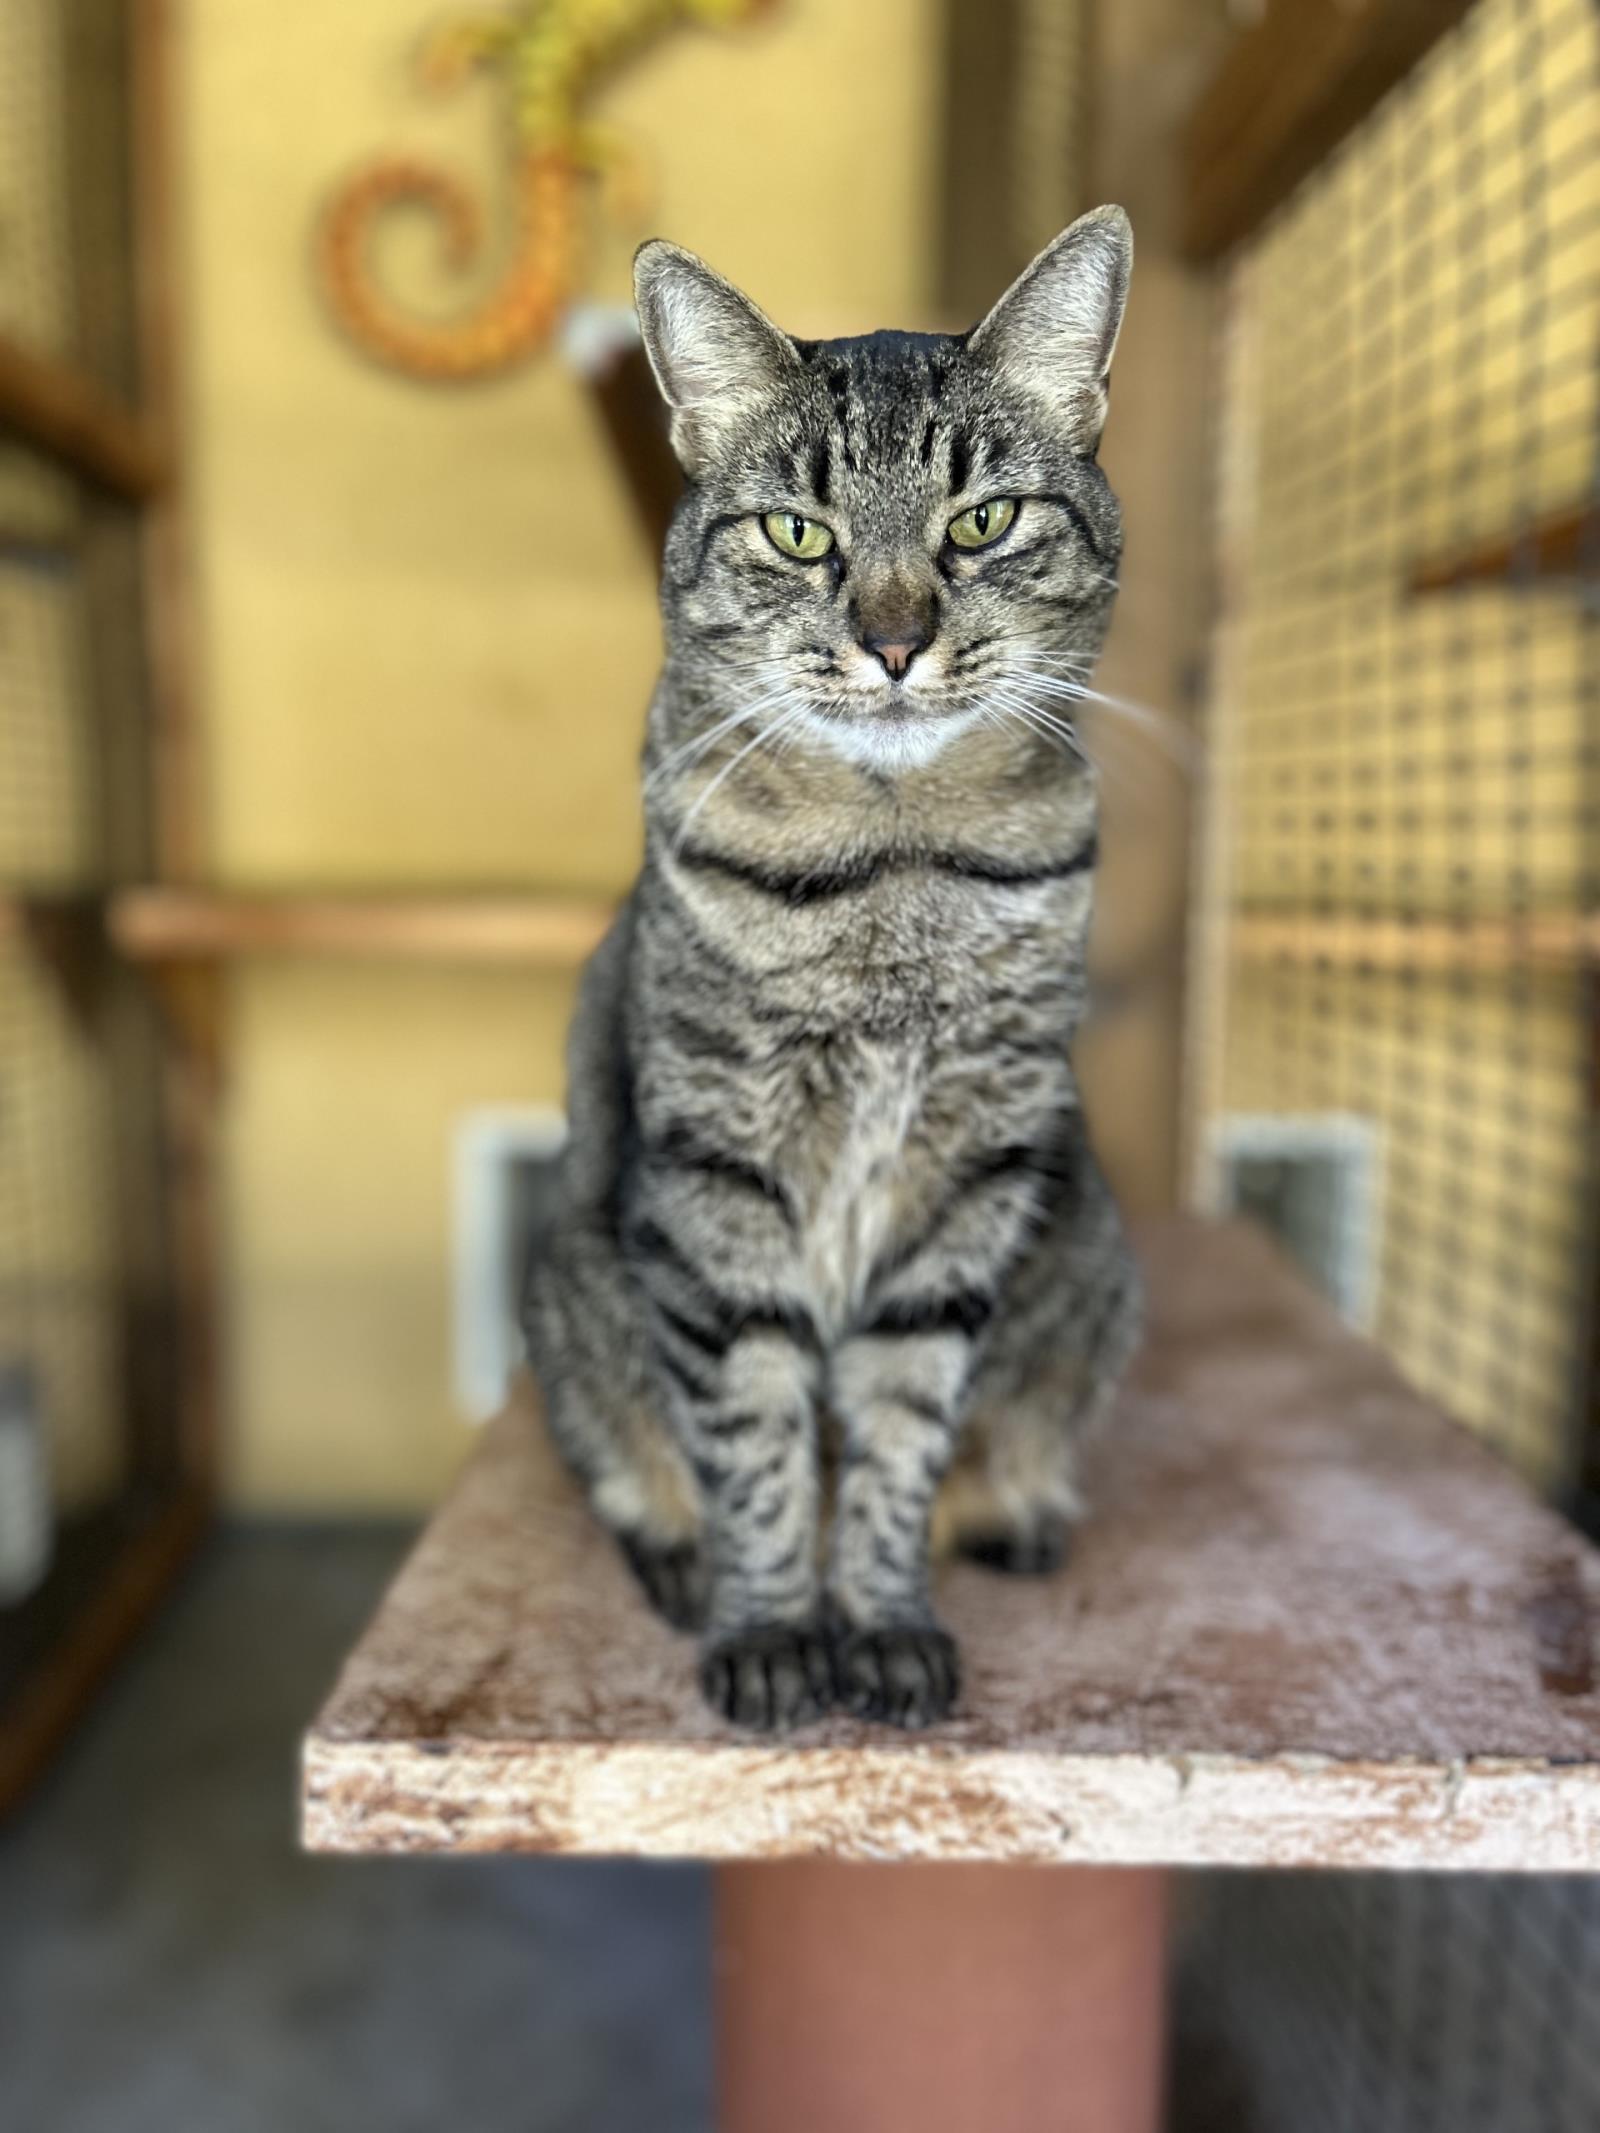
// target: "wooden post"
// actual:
[[940, 1998]]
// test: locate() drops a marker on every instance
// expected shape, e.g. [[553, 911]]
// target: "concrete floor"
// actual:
[[169, 1963]]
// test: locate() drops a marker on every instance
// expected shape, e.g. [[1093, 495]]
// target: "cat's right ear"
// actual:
[[715, 356], [1054, 331]]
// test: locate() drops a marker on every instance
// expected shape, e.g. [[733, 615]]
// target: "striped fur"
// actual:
[[836, 1275]]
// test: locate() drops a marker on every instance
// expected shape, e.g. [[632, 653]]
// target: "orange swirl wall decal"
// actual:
[[549, 57]]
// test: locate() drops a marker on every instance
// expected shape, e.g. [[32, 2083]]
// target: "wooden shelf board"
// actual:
[[167, 924], [1544, 940], [68, 417], [1311, 1622], [1286, 94], [1562, 549]]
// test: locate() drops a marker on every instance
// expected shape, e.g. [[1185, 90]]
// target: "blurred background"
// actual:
[[327, 623]]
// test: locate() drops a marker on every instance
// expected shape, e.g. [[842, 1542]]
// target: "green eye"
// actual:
[[803, 538], [983, 523]]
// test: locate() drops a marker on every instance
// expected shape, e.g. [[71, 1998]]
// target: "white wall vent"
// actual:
[[505, 1174], [1316, 1181]]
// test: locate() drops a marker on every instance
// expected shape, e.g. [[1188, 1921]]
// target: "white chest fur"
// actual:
[[851, 1216]]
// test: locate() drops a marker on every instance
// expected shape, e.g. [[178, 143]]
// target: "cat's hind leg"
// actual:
[[600, 1403], [1011, 1499]]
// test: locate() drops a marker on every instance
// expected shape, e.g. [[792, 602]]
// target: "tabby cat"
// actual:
[[835, 1279]]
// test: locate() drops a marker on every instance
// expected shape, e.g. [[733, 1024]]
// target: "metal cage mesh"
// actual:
[[1402, 2003], [1394, 1034], [1402, 818], [88, 1438]]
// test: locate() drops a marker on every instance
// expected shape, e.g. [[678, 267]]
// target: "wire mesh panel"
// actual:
[[66, 258], [1016, 75], [58, 1238], [1414, 2003], [1394, 988], [1403, 826], [87, 1383], [48, 773], [91, 1465]]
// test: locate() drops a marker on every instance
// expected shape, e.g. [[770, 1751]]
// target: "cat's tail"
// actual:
[[516, 317]]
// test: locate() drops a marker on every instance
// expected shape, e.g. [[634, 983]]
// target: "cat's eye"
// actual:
[[983, 523], [806, 539]]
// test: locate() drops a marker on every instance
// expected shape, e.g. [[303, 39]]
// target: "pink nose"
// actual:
[[896, 653], [897, 643]]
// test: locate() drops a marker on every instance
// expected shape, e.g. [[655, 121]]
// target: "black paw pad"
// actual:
[[907, 1677], [767, 1678], [673, 1577], [1033, 1552]]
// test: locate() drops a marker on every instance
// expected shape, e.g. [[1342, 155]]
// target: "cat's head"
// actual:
[[885, 540]]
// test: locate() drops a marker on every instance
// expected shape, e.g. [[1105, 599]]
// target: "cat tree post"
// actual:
[[864, 1998]]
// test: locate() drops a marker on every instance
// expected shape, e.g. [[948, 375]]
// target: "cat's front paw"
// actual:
[[779, 1674], [908, 1676]]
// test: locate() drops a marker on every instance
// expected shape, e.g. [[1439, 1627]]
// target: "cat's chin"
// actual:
[[892, 741]]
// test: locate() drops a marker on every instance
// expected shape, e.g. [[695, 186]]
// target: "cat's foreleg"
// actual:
[[899, 1397], [743, 1411]]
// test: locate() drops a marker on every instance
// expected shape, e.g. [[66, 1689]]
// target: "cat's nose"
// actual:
[[896, 652]]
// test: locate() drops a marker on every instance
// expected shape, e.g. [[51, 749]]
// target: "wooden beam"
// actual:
[[189, 995], [65, 935], [1546, 940], [1561, 549], [1285, 96], [67, 417], [978, 248], [177, 770], [38, 1719], [162, 924]]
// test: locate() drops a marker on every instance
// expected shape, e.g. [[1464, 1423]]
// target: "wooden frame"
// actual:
[[1285, 96], [130, 1590], [981, 54], [131, 456], [1557, 549], [66, 416], [1553, 941], [176, 767], [164, 925], [997, 205]]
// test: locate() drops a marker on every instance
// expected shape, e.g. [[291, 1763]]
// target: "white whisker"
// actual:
[[764, 733], [691, 750], [1174, 739], [1037, 720]]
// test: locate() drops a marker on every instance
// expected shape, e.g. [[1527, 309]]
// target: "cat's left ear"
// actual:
[[1053, 332], [717, 359]]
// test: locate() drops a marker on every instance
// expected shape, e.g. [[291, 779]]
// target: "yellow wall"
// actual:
[[346, 1090], [429, 633]]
